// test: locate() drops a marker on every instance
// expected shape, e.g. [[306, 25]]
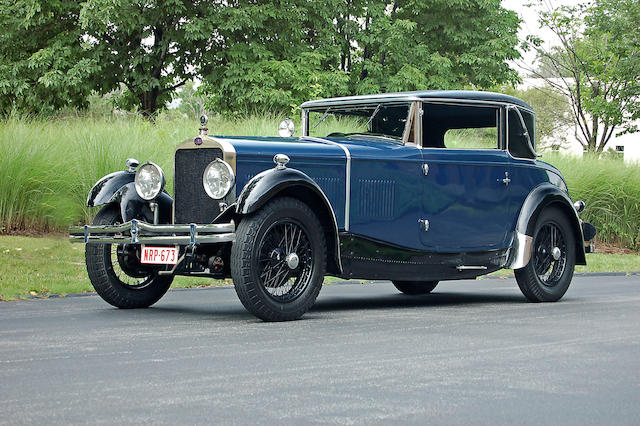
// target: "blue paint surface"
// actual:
[[463, 196]]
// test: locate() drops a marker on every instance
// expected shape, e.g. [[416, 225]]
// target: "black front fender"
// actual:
[[294, 183], [269, 183], [541, 197], [119, 188], [102, 192]]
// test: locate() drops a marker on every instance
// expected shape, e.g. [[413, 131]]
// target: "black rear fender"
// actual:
[[542, 197]]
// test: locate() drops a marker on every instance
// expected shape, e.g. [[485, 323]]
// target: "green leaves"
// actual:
[[595, 64], [251, 54]]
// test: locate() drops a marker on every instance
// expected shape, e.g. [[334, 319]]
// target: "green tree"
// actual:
[[344, 47], [272, 55], [44, 61], [595, 64], [440, 44], [553, 114], [151, 46]]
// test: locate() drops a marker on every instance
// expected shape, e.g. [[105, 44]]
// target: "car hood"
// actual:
[[310, 147]]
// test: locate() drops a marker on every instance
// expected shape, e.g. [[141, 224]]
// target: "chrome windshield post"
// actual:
[[305, 122]]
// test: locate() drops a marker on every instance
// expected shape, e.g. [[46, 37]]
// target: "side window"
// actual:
[[518, 143], [460, 126]]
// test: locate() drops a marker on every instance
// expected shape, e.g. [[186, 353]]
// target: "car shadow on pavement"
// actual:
[[402, 301]]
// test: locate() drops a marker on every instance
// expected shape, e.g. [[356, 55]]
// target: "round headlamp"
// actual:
[[218, 179], [149, 181]]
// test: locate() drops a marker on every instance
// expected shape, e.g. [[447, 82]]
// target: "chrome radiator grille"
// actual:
[[192, 204]]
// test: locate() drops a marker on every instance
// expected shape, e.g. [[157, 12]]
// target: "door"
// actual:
[[466, 200], [386, 193]]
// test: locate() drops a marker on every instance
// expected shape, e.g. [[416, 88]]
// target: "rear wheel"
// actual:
[[414, 288], [117, 275], [547, 276], [278, 260]]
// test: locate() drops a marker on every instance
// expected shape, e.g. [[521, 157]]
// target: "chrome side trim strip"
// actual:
[[522, 247], [347, 153], [461, 268]]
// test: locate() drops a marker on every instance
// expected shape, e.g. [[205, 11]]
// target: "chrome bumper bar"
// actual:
[[136, 232]]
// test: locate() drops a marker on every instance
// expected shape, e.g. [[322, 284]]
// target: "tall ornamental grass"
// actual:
[[611, 190], [48, 166]]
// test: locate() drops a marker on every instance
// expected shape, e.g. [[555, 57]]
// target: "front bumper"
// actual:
[[136, 232]]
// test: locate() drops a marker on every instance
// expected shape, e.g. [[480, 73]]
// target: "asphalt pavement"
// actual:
[[474, 352]]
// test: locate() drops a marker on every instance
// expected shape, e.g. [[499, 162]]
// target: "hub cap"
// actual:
[[292, 260], [285, 260], [550, 256]]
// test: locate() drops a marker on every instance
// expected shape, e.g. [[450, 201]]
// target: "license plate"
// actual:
[[159, 255]]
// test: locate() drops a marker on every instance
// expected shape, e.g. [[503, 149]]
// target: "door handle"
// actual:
[[506, 179]]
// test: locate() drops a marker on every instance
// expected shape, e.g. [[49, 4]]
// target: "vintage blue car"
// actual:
[[415, 187]]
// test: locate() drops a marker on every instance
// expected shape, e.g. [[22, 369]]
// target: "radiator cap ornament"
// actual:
[[203, 124]]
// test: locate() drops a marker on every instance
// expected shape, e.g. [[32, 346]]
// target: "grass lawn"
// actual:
[[39, 266]]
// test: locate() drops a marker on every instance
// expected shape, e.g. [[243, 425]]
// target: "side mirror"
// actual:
[[286, 128]]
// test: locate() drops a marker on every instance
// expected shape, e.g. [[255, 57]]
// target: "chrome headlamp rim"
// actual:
[[227, 169], [156, 191]]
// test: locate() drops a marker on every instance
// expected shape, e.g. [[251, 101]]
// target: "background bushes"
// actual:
[[48, 166]]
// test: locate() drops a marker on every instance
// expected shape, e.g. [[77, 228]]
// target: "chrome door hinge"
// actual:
[[424, 224], [425, 169]]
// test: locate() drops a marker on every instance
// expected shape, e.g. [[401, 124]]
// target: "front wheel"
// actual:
[[278, 260], [415, 288], [116, 274], [547, 276]]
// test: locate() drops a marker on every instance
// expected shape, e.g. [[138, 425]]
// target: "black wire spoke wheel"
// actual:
[[547, 276], [278, 260], [285, 261], [116, 273], [550, 258], [123, 263]]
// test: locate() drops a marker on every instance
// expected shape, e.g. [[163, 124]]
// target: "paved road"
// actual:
[[473, 352]]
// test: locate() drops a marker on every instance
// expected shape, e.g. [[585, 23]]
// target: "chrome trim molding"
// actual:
[[461, 268], [364, 99], [228, 155], [142, 232], [402, 97], [347, 153], [228, 151], [522, 247]]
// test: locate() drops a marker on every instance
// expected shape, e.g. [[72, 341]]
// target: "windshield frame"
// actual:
[[412, 110]]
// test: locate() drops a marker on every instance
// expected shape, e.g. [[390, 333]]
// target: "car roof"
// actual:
[[443, 95]]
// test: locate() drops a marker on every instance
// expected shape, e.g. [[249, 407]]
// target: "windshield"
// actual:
[[381, 120]]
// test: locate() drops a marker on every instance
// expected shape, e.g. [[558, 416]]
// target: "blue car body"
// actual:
[[407, 208], [425, 186]]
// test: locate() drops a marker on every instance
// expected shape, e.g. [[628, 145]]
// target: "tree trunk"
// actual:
[[149, 102]]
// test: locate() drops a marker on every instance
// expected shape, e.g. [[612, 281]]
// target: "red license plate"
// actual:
[[159, 255]]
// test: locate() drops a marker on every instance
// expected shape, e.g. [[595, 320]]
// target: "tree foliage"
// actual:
[[357, 47], [553, 114], [152, 46], [595, 64], [44, 63], [250, 54]]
